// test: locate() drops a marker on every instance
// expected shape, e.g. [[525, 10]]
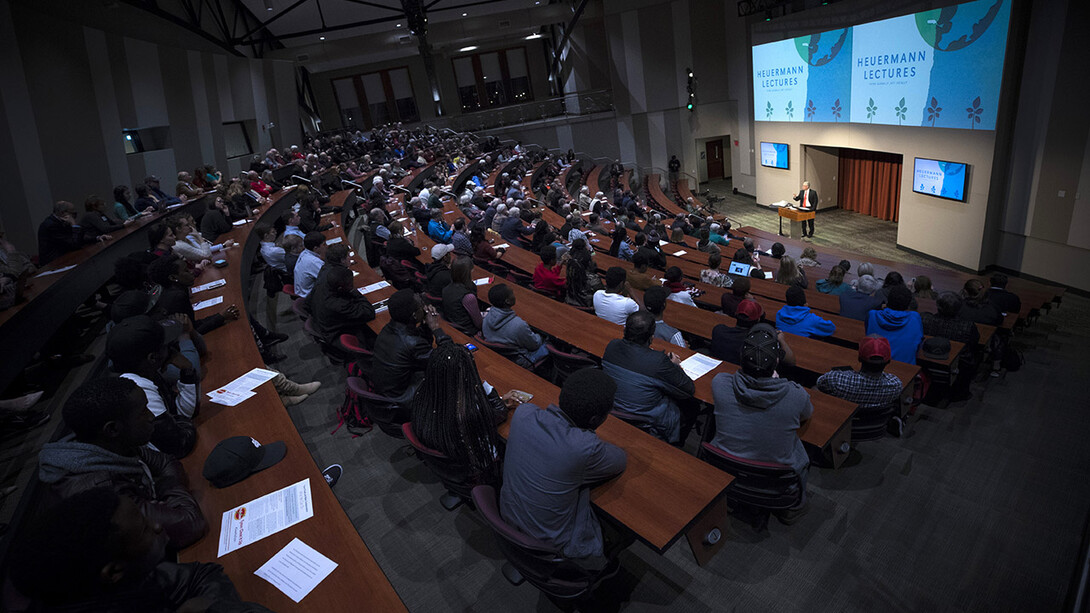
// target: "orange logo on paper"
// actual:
[[239, 514]]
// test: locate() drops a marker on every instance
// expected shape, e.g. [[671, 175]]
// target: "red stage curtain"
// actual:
[[870, 183]]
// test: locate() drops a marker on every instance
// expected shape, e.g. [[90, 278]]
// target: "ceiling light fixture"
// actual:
[[321, 38], [533, 36], [268, 5], [464, 14], [469, 48], [399, 25]]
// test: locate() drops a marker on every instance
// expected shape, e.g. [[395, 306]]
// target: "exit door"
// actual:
[[714, 153]]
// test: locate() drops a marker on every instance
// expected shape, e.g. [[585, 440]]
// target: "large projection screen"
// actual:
[[941, 68]]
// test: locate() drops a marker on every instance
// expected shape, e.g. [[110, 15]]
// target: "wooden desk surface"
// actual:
[[232, 352]]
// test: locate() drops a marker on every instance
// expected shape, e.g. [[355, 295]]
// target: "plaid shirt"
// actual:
[[868, 391]]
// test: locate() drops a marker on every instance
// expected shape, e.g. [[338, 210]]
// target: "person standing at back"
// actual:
[[553, 458]]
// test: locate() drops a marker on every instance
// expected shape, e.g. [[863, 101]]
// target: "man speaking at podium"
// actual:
[[808, 200]]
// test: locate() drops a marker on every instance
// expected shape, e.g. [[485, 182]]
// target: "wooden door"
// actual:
[[714, 153]]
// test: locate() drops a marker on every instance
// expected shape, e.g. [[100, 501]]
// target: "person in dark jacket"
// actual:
[[727, 341], [892, 280], [141, 349], [172, 274], [112, 427], [460, 306], [513, 229], [438, 270], [95, 552], [502, 325], [59, 234], [650, 382], [947, 324], [976, 307], [98, 220], [403, 346], [337, 308], [398, 247], [1003, 300], [216, 220]]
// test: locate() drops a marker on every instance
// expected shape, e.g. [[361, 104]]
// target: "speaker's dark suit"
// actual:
[[808, 201]]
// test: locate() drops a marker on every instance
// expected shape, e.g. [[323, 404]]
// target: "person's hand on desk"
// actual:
[[102, 238], [231, 313], [227, 244], [674, 358], [511, 399]]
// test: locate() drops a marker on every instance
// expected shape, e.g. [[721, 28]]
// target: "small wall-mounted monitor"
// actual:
[[940, 179], [774, 155]]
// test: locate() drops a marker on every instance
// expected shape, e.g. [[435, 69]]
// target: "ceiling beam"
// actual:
[[377, 5], [266, 23], [152, 7]]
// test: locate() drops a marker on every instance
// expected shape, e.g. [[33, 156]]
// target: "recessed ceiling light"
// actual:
[[399, 25], [321, 38], [469, 48], [464, 14], [533, 36]]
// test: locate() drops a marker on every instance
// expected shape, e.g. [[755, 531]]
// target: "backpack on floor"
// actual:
[[349, 413], [1012, 359]]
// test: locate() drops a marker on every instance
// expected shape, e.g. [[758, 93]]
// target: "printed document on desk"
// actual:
[[253, 521], [698, 365], [296, 569]]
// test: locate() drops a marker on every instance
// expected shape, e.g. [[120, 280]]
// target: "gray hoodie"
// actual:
[[757, 418], [503, 326], [154, 480]]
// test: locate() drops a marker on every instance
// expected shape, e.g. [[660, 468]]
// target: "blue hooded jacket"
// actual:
[[799, 320], [904, 329]]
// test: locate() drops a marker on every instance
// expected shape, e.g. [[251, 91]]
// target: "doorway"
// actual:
[[713, 151], [821, 167]]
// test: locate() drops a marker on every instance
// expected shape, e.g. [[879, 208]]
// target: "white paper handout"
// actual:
[[204, 304], [239, 222], [482, 281], [296, 569], [698, 365], [680, 252], [768, 274], [253, 521], [229, 398], [209, 285], [54, 271], [502, 246], [367, 289], [247, 382], [334, 241]]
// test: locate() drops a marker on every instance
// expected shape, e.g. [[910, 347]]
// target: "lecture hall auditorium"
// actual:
[[294, 230]]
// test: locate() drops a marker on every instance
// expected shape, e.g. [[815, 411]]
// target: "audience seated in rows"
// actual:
[[864, 297], [459, 298], [679, 290], [654, 300], [612, 303], [502, 325], [310, 263], [834, 283], [870, 387], [550, 277], [726, 341]]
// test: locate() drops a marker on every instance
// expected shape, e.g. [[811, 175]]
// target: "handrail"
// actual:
[[569, 105]]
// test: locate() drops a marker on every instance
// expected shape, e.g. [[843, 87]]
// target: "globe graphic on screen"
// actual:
[[957, 27], [820, 49]]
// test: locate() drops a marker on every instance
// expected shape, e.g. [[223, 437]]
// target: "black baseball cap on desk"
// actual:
[[233, 459]]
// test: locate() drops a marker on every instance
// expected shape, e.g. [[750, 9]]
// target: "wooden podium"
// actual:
[[796, 217]]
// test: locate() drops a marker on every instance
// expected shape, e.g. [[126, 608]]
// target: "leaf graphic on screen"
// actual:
[[790, 109], [872, 109], [975, 112], [768, 111], [836, 108], [933, 111], [901, 110], [810, 110]]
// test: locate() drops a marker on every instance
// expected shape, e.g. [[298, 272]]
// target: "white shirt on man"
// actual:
[[614, 307]]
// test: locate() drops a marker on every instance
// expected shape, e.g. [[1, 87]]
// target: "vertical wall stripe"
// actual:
[[199, 92], [106, 101], [630, 47], [146, 77]]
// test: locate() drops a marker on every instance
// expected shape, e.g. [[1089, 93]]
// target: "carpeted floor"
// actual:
[[979, 507], [832, 227]]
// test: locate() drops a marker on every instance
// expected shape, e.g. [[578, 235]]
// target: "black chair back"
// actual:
[[564, 364], [456, 476], [869, 424], [383, 410]]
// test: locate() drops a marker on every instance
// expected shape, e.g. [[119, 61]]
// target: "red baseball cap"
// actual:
[[750, 310], [874, 349]]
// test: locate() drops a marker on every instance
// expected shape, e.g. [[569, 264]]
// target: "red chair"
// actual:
[[383, 410], [564, 364], [360, 354]]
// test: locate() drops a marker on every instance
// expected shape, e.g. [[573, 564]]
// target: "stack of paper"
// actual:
[[374, 287], [241, 388], [296, 569], [680, 252]]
